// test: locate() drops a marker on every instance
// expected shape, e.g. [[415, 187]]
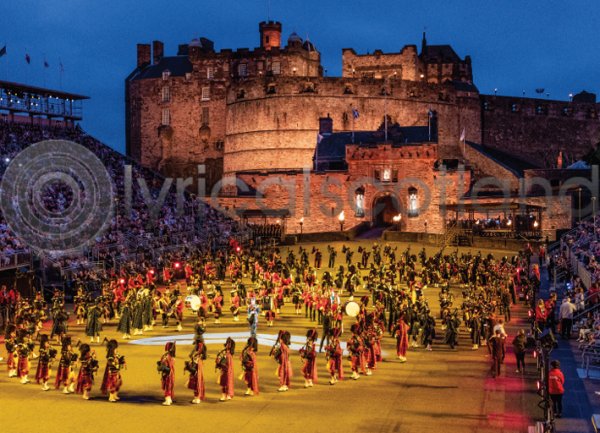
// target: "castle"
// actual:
[[272, 113]]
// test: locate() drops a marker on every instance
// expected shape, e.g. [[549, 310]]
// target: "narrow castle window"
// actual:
[[166, 117], [205, 115], [243, 69], [166, 94], [165, 75], [276, 68], [413, 202], [359, 202], [210, 73], [206, 93]]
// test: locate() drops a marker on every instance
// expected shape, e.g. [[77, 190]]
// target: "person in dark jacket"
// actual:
[[497, 350], [519, 343]]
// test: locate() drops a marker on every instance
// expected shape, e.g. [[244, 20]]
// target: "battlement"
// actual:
[[391, 152], [347, 87]]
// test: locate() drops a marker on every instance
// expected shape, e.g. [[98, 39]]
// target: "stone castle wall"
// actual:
[[538, 129]]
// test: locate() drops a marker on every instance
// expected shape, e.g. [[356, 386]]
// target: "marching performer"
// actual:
[[308, 353], [355, 349], [89, 366], [93, 325], [401, 334], [47, 354], [224, 363], [24, 350], [112, 381], [250, 367], [281, 353], [10, 343], [334, 357], [166, 368], [196, 369], [65, 376]]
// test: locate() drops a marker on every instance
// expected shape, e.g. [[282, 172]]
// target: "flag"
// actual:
[[61, 68], [27, 59], [355, 113], [463, 135], [3, 51], [46, 65]]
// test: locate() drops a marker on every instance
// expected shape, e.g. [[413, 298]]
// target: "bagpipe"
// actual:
[[221, 360], [191, 367], [162, 367], [276, 351], [247, 362]]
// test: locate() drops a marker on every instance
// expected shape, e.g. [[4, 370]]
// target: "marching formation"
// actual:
[[262, 281]]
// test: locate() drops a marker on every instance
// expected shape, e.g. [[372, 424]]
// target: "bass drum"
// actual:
[[192, 302], [352, 309]]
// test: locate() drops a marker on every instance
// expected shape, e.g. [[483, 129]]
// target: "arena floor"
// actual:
[[443, 390]]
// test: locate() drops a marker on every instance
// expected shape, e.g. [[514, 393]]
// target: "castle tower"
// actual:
[[270, 34]]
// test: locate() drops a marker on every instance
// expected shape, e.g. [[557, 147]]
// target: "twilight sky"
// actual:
[[515, 45]]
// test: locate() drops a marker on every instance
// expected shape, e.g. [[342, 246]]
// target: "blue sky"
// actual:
[[515, 45]]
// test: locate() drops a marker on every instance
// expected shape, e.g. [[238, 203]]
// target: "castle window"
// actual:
[[567, 111], [241, 94], [219, 145], [488, 106], [166, 74], [188, 76], [271, 90], [348, 90], [166, 94], [541, 110], [276, 68], [166, 117], [243, 69], [359, 202], [206, 93], [413, 202], [515, 108], [592, 113], [210, 73], [205, 115], [387, 175]]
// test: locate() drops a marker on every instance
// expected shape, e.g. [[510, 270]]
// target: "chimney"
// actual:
[[158, 49], [325, 125], [143, 55], [270, 34]]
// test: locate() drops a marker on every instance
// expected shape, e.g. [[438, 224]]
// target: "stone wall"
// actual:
[[538, 129]]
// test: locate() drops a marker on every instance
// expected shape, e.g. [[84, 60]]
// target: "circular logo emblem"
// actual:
[[57, 196]]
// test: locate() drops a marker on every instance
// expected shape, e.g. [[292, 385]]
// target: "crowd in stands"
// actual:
[[128, 237], [583, 243]]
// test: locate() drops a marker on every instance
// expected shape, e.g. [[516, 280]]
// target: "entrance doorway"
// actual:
[[385, 208]]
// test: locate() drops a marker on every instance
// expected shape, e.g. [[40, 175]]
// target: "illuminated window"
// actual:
[[166, 74], [210, 73], [413, 202], [166, 117], [359, 202], [387, 175], [206, 93]]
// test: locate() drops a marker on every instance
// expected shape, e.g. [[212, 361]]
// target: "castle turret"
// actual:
[[270, 34]]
